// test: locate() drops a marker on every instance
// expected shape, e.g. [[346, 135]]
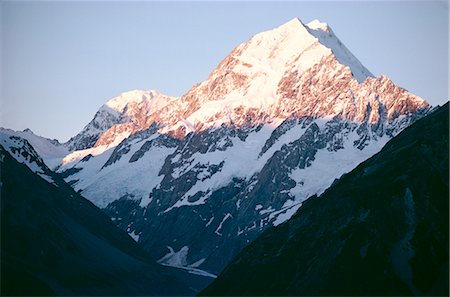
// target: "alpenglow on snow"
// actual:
[[201, 175]]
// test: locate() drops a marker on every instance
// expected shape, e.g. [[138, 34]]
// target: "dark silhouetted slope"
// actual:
[[55, 242], [381, 229]]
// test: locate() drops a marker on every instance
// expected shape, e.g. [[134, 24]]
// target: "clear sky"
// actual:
[[62, 60]]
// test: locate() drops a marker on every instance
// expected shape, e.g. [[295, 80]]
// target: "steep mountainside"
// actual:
[[55, 242], [278, 120], [117, 119], [50, 150], [381, 229]]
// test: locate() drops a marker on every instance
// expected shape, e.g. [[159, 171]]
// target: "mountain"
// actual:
[[55, 242], [50, 150], [119, 118], [381, 229], [194, 179]]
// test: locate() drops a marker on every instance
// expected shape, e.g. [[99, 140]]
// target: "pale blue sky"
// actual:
[[62, 60]]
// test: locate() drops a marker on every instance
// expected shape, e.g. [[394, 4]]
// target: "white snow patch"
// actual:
[[327, 167], [49, 150], [149, 101], [145, 201], [267, 210], [197, 263], [178, 260], [285, 213], [75, 156], [209, 222], [46, 177], [134, 236], [331, 165], [228, 215], [136, 179]]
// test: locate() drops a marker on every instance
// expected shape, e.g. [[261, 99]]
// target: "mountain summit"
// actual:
[[278, 72], [257, 75], [194, 179]]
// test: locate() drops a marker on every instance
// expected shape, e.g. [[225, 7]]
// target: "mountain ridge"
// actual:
[[208, 104]]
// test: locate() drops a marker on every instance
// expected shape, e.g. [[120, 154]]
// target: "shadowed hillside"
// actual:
[[381, 229]]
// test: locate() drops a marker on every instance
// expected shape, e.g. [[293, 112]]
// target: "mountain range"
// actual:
[[194, 179]]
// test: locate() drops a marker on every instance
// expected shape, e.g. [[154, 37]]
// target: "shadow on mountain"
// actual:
[[381, 229], [55, 242]]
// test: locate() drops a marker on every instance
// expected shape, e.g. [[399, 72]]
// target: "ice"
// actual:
[[178, 260]]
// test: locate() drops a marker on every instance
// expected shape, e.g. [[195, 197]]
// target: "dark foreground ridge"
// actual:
[[381, 229], [55, 242]]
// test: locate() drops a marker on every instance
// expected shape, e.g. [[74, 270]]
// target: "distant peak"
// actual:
[[118, 103], [28, 130]]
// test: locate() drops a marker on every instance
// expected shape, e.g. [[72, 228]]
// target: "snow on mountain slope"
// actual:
[[122, 115], [48, 149], [327, 37], [107, 177], [249, 77], [365, 235], [21, 149], [278, 120]]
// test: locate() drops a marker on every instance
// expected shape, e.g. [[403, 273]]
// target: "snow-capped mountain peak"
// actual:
[[23, 151], [278, 46], [304, 45], [118, 118], [278, 120], [151, 99], [258, 75], [51, 151]]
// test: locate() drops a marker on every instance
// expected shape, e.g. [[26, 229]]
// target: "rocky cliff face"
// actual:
[[194, 179], [381, 229], [119, 118]]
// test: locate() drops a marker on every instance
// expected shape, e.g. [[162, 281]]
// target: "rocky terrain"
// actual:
[[381, 229]]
